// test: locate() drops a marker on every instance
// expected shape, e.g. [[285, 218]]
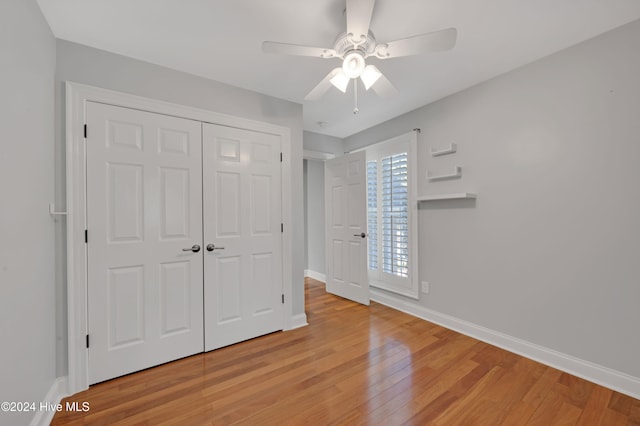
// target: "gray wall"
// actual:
[[27, 307], [94, 67], [550, 252], [314, 192], [306, 214], [323, 143]]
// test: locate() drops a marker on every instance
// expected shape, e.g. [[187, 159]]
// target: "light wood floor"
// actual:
[[354, 365]]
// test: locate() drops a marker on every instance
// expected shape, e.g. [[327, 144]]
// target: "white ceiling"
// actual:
[[221, 40]]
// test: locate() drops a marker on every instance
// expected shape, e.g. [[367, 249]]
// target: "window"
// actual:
[[391, 213]]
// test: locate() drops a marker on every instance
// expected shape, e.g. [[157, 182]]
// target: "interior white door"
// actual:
[[346, 227], [144, 202], [242, 234]]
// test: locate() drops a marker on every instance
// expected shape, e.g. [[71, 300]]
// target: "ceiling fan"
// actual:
[[359, 43]]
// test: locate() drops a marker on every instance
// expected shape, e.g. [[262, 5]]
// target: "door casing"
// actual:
[[77, 95]]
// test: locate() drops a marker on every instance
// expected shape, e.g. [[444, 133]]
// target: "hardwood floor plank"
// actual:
[[594, 410], [353, 365], [395, 365], [577, 390], [518, 414], [620, 403], [422, 378], [466, 405], [547, 410]]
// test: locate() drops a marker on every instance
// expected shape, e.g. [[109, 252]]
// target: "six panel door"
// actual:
[[242, 235], [144, 195], [346, 227]]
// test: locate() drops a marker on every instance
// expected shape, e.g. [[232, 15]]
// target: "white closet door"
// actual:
[[346, 227], [144, 195], [242, 235]]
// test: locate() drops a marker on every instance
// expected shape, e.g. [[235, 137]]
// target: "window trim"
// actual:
[[378, 150]]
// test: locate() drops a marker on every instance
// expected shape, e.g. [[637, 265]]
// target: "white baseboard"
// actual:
[[57, 391], [298, 321], [315, 275], [599, 374]]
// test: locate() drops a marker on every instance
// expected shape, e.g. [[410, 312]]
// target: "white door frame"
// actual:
[[77, 95]]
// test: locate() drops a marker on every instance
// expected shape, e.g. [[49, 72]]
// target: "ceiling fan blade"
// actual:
[[384, 88], [358, 18], [297, 50], [322, 87], [430, 42]]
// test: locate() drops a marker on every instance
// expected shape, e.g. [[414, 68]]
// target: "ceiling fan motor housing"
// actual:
[[344, 45]]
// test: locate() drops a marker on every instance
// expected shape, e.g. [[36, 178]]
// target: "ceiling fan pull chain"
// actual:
[[355, 96]]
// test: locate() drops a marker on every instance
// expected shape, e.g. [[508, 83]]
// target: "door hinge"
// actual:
[[282, 227], [86, 236], [85, 131], [281, 157], [283, 298], [87, 341]]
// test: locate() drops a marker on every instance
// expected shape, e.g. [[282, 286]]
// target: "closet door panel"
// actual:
[[242, 229]]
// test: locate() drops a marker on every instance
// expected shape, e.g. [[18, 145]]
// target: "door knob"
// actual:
[[194, 248], [211, 247], [361, 235]]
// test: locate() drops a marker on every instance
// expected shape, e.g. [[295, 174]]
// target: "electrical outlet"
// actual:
[[425, 287]]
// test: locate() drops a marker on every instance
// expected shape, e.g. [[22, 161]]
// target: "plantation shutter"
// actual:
[[395, 215], [372, 214]]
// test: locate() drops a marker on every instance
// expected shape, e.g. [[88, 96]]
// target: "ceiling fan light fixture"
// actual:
[[370, 75], [353, 64], [340, 80]]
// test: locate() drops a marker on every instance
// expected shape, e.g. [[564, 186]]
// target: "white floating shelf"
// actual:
[[454, 175], [438, 152], [317, 155], [456, 196]]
